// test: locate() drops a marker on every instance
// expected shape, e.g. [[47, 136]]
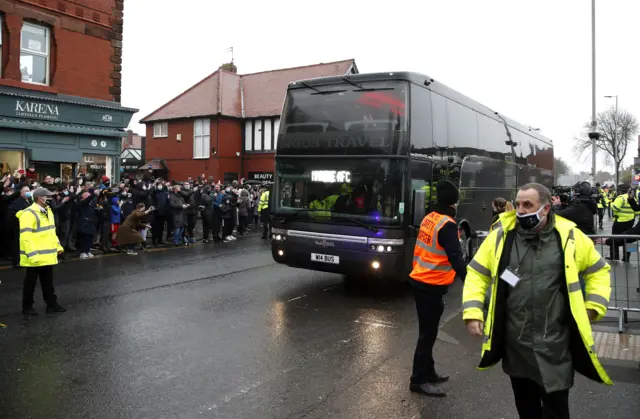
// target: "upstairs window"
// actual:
[[201, 138], [34, 54], [160, 129]]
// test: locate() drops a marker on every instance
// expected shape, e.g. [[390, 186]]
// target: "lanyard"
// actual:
[[520, 259]]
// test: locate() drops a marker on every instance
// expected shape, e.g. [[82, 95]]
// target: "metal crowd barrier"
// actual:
[[625, 275]]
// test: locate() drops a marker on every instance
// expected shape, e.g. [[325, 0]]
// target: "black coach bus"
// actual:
[[358, 158]]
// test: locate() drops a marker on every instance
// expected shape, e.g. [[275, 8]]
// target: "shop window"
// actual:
[[160, 129], [201, 138], [34, 54]]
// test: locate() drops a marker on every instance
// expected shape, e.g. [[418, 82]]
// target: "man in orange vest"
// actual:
[[437, 259]]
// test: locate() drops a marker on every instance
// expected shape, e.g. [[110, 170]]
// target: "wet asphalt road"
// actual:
[[223, 331]]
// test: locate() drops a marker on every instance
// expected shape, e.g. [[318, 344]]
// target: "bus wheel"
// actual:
[[465, 244]]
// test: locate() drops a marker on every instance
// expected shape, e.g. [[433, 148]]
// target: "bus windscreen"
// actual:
[[333, 190]]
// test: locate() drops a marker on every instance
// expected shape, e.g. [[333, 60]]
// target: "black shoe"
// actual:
[[438, 379], [30, 312], [428, 390], [56, 309]]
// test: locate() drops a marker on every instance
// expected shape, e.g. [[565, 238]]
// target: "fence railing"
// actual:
[[624, 273]]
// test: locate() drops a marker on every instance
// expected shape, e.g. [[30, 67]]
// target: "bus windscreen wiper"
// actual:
[[293, 214], [373, 89], [360, 223], [320, 92]]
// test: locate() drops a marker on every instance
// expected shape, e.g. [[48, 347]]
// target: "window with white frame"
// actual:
[[160, 129], [34, 54], [201, 138], [260, 135]]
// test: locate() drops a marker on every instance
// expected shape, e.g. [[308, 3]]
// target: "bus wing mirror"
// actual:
[[419, 206]]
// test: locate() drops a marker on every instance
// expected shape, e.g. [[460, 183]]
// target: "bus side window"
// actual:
[[421, 179]]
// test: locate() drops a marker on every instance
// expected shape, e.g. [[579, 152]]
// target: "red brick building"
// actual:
[[60, 86], [226, 125]]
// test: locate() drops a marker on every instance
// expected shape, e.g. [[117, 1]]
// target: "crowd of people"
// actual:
[[132, 214]]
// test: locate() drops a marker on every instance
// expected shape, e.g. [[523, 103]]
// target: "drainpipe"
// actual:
[[242, 126]]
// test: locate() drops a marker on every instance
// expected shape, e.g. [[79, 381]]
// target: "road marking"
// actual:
[[330, 287], [374, 324], [449, 318], [445, 337], [242, 390], [296, 298]]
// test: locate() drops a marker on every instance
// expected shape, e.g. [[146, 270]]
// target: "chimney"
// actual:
[[230, 67]]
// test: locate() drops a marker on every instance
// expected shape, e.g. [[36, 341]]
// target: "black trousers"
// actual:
[[157, 228], [265, 214], [14, 246], [217, 226], [207, 224], [619, 228], [600, 216], [64, 229], [227, 227], [84, 242], [533, 402], [45, 273], [429, 306]]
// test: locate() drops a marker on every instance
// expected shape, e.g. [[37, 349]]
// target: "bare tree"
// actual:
[[560, 168], [616, 132]]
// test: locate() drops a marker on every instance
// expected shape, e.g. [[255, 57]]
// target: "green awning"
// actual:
[[46, 126]]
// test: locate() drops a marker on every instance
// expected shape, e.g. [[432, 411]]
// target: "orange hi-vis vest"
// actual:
[[430, 262]]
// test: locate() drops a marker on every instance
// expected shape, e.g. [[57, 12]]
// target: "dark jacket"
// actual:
[[189, 199], [244, 203], [581, 212], [86, 218], [206, 202], [176, 202], [160, 199]]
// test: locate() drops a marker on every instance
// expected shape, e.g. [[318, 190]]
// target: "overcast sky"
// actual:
[[529, 60]]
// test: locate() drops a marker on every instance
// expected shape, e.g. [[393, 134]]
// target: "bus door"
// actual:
[[420, 175]]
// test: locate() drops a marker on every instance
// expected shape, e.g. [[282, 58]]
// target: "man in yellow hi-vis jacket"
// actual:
[[265, 212], [538, 318], [39, 250]]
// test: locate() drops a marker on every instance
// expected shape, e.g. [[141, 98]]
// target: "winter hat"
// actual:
[[447, 193]]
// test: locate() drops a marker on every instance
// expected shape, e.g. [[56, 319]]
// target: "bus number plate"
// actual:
[[317, 257]]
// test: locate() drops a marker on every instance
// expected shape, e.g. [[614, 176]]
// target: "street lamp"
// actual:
[[615, 138], [593, 135]]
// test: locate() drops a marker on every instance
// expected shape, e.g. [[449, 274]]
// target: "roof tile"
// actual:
[[222, 92]]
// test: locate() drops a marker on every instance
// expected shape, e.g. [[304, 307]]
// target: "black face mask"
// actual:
[[530, 221]]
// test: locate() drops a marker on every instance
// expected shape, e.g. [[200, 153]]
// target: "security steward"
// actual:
[[603, 202], [623, 216], [39, 250], [538, 322], [264, 211], [437, 260]]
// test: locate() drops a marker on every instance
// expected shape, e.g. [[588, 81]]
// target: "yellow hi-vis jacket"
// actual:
[[622, 211], [604, 201], [264, 201], [580, 258], [39, 244]]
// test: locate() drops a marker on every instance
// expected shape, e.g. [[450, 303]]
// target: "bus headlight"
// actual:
[[385, 245], [279, 235]]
